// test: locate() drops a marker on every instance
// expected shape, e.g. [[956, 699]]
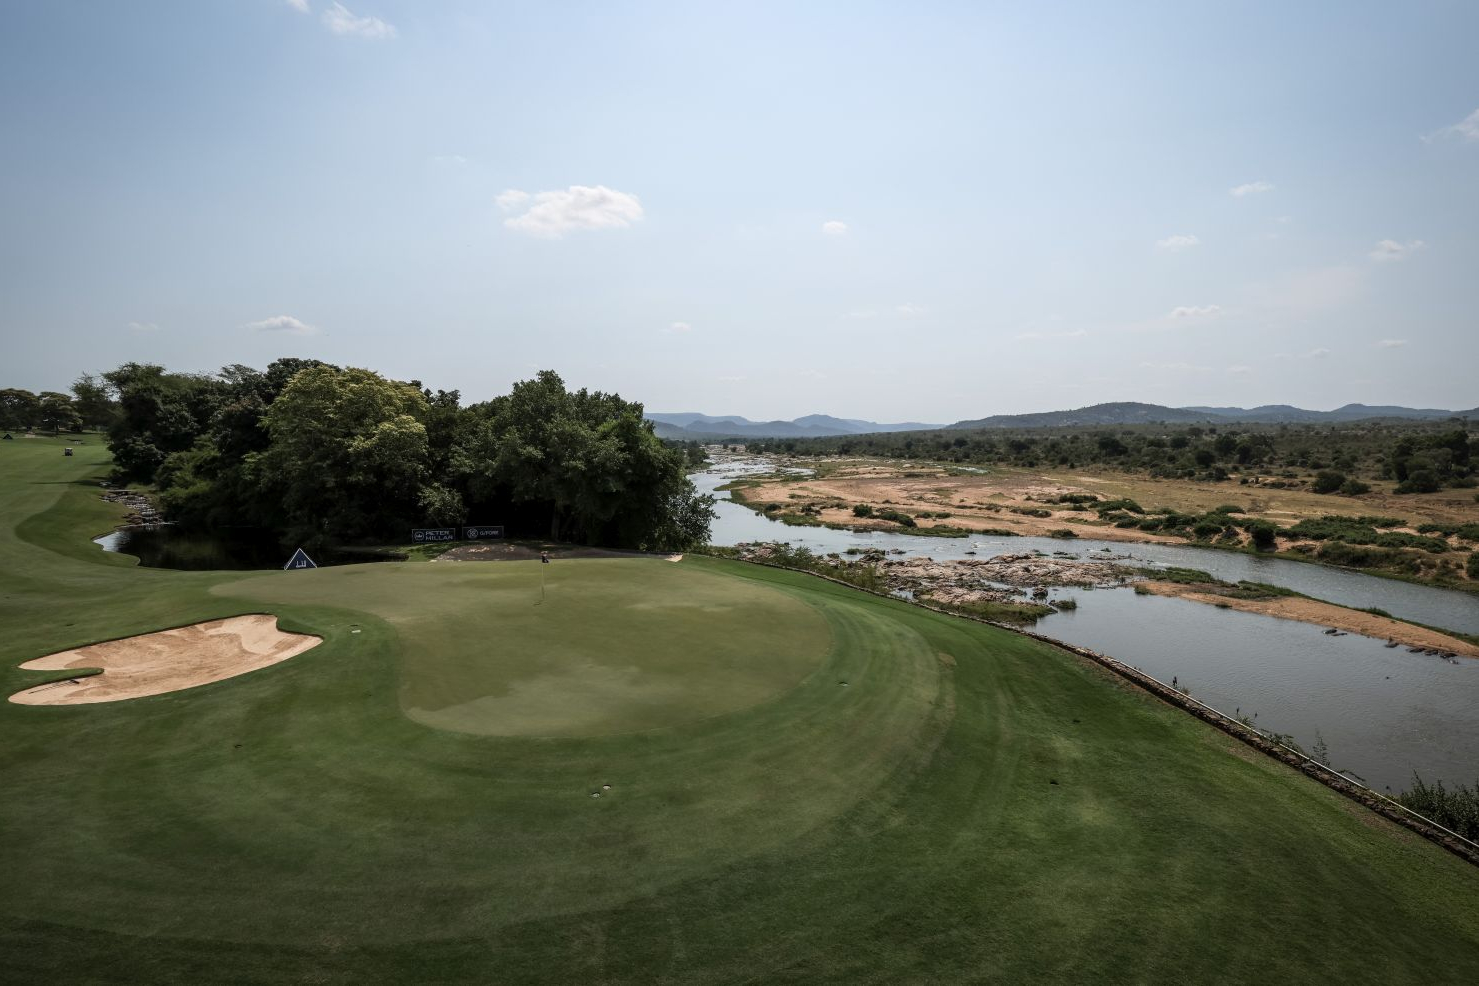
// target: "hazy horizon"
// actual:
[[926, 215]]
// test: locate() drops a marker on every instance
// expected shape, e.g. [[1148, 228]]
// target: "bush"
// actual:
[[1264, 534], [1422, 481], [1456, 809], [1354, 487], [1473, 566], [1328, 481], [1120, 504], [862, 510], [1229, 508]]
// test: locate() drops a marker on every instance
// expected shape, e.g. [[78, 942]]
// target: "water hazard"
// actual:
[[1382, 712]]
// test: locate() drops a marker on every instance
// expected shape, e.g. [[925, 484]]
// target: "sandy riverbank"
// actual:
[[1321, 614]]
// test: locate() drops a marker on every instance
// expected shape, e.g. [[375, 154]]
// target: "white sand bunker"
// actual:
[[167, 661]]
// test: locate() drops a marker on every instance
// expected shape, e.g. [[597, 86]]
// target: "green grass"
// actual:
[[297, 824]]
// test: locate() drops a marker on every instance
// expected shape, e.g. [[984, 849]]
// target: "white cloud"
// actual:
[[680, 327], [1466, 130], [1388, 251], [301, 6], [1195, 311], [910, 310], [449, 160], [555, 213], [511, 198], [340, 20], [1239, 368], [1069, 334], [1390, 343], [1250, 188], [834, 227], [143, 327], [1177, 243], [282, 323], [1319, 352]]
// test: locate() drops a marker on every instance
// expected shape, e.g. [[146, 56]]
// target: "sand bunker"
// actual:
[[167, 661]]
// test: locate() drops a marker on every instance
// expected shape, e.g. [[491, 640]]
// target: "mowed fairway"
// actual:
[[807, 784]]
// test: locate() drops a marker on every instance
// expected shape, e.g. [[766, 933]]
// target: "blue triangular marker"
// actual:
[[300, 559]]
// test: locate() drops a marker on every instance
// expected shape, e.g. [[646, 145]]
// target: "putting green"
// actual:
[[607, 646], [972, 806]]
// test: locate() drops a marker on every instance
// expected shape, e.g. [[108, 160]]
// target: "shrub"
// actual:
[[1422, 481], [1265, 535], [862, 510], [1062, 532], [1229, 508], [1207, 527], [1328, 481], [1472, 567], [1121, 504], [1354, 487]]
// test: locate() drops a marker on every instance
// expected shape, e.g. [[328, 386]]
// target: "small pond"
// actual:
[[229, 549]]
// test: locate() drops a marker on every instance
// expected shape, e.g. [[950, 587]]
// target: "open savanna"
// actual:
[[1010, 498], [807, 784]]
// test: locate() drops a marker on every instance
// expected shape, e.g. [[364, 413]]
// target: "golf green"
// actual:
[[574, 648], [695, 772]]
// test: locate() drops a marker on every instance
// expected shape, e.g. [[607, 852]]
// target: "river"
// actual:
[[1382, 712]]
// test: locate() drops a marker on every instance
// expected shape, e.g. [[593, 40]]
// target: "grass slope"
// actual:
[[296, 824]]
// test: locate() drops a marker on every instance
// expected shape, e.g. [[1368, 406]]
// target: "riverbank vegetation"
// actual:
[[1425, 538], [324, 454], [1455, 808]]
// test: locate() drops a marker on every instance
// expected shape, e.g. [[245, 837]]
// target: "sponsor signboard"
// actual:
[[481, 533], [421, 535]]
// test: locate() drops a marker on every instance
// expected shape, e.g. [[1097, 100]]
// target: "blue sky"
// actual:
[[893, 211]]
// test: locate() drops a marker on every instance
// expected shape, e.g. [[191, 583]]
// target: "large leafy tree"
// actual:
[[19, 409], [93, 399], [57, 412], [348, 452], [587, 460], [159, 413]]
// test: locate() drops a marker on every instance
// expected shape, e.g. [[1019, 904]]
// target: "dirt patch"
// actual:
[[167, 661], [1323, 614]]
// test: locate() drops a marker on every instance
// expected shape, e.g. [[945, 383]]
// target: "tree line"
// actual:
[[321, 453], [1420, 457]]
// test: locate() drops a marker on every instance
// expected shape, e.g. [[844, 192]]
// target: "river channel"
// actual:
[[1383, 713]]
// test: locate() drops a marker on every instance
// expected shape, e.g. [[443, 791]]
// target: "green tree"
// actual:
[[56, 411], [19, 409], [348, 452], [159, 413], [94, 401], [587, 461]]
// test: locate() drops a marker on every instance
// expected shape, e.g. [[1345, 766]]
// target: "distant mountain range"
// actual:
[[691, 425]]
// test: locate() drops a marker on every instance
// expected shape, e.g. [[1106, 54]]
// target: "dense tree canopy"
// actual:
[[320, 453]]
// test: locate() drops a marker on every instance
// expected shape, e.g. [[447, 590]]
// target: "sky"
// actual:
[[923, 212]]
